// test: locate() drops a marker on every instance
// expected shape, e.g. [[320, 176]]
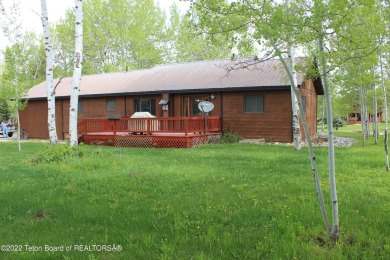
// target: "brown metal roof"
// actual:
[[194, 76]]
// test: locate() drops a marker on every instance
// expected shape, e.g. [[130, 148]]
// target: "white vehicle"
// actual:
[[10, 130]]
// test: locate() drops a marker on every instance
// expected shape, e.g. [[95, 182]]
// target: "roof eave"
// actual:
[[182, 91]]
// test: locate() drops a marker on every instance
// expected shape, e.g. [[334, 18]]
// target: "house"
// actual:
[[254, 102]]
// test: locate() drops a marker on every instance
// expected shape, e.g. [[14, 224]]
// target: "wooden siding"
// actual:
[[34, 119], [274, 124], [309, 91], [177, 103]]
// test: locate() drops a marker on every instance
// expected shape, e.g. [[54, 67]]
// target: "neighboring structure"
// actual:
[[355, 118], [253, 103]]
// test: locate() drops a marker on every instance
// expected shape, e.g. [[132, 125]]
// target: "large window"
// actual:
[[253, 104], [145, 105], [111, 105]]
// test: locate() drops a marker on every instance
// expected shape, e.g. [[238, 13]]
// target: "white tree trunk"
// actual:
[[366, 122], [367, 116], [334, 234], [385, 111], [294, 100], [309, 144], [51, 100], [323, 115], [362, 115], [375, 118], [78, 57]]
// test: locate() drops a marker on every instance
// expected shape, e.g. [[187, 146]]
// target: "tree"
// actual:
[[123, 35], [119, 35], [78, 58], [386, 114], [341, 25], [4, 109], [51, 99], [23, 67], [185, 43], [294, 84], [266, 23], [10, 22]]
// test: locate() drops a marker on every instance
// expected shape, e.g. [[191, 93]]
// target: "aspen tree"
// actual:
[[294, 84], [385, 114], [51, 98], [78, 58]]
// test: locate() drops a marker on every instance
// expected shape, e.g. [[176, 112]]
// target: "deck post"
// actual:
[[186, 126], [148, 126], [115, 132], [206, 115]]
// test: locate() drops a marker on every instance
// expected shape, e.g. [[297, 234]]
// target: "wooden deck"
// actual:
[[150, 132]]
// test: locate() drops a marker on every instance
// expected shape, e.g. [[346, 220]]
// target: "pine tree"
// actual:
[[4, 109]]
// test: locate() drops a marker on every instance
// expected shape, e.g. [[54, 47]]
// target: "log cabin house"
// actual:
[[254, 102]]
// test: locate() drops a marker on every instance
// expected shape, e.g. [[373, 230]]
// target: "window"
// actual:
[[190, 106], [145, 105], [111, 105], [80, 107], [253, 104], [304, 104]]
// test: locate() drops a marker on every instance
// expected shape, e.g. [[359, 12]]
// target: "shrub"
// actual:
[[59, 153], [4, 109], [229, 138], [338, 122]]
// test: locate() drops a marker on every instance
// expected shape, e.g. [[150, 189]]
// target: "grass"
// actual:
[[352, 128], [228, 201]]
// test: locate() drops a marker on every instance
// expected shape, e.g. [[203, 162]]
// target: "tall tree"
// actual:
[[186, 43], [10, 23], [340, 25], [266, 23], [78, 58], [119, 35], [334, 231], [4, 109], [385, 114], [51, 98], [294, 84]]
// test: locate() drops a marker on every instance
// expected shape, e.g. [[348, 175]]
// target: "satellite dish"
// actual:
[[205, 106]]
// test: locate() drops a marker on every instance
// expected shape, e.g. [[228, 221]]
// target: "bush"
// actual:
[[4, 109], [338, 122], [59, 153], [229, 138]]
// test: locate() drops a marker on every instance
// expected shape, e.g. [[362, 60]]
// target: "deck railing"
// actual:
[[184, 125]]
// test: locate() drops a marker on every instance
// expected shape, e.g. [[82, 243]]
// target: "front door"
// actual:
[[190, 105]]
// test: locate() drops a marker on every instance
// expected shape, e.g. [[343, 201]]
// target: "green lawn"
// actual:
[[237, 201]]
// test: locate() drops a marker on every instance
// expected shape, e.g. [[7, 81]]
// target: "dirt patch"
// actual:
[[320, 241], [41, 214]]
